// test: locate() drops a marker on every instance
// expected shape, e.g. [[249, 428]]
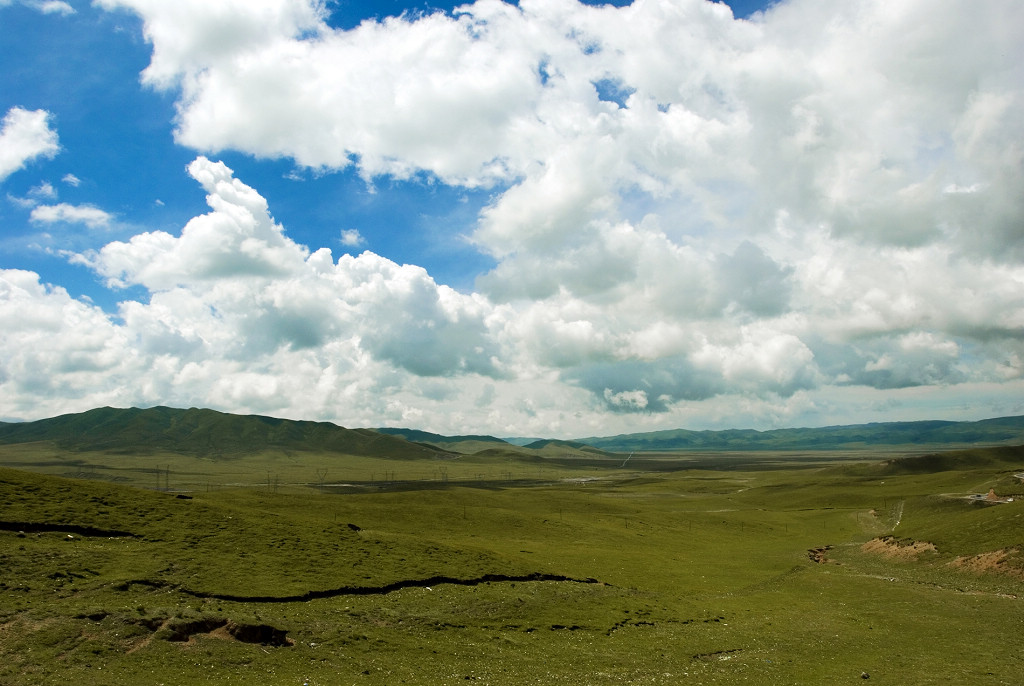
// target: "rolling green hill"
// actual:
[[793, 574], [1003, 430], [1002, 457], [567, 449], [204, 433], [461, 444]]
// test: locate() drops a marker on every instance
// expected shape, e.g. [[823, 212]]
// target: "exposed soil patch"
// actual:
[[893, 548], [995, 561], [718, 654], [820, 555], [263, 634], [183, 630]]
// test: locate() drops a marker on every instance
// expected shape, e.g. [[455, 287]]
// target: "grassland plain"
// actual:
[[316, 569]]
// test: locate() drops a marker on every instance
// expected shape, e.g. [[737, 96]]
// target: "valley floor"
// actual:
[[794, 575]]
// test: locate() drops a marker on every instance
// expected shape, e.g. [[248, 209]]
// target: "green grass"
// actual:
[[703, 576]]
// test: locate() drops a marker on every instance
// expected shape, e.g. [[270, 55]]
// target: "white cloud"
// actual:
[[243, 318], [239, 284], [239, 316], [352, 238], [633, 400], [36, 194], [66, 354], [238, 238], [53, 7], [855, 117], [43, 190], [45, 6], [24, 136], [71, 180], [190, 35], [93, 217], [25, 203]]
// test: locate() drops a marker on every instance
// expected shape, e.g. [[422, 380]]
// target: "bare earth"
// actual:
[[994, 561], [894, 549]]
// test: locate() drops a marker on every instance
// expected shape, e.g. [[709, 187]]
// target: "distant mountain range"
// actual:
[[208, 433], [461, 443], [1000, 431], [427, 437]]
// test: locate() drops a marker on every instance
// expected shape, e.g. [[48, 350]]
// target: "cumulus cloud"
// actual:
[[242, 318], [830, 113], [857, 118], [238, 238], [60, 351], [24, 136], [93, 217], [352, 238], [236, 281]]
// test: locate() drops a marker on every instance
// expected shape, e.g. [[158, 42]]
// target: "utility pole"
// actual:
[[321, 474]]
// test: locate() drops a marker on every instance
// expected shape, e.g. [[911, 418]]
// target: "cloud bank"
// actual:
[[815, 214]]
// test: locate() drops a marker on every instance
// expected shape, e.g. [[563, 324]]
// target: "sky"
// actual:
[[544, 218]]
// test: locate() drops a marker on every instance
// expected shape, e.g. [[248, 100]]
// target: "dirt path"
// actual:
[[898, 513]]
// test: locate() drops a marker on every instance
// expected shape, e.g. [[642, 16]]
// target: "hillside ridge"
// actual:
[[421, 436], [204, 433]]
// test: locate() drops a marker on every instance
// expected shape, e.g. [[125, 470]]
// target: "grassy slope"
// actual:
[[204, 433], [706, 577]]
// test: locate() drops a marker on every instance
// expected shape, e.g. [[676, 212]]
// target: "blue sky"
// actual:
[[559, 218]]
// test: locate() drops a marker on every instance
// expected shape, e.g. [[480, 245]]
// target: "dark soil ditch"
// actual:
[[362, 590]]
